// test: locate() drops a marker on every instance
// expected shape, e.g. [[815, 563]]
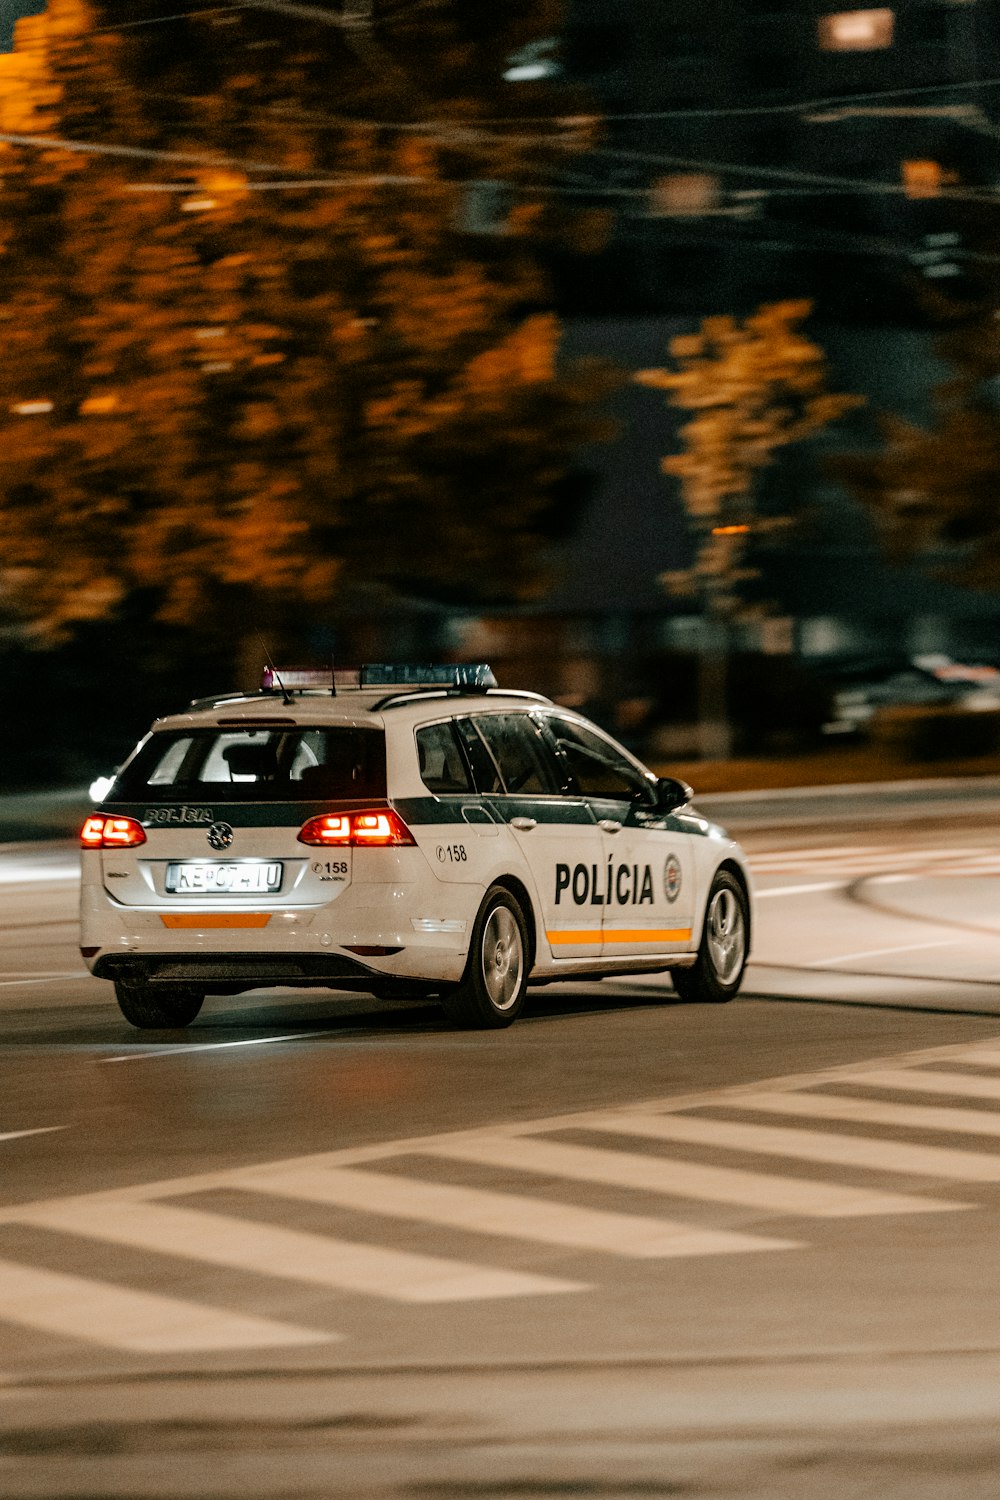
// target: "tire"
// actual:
[[495, 982], [717, 973], [160, 1009]]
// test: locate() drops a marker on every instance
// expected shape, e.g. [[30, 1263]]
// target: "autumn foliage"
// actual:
[[750, 388], [252, 351]]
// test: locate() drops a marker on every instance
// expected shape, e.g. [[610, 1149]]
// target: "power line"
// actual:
[[788, 174], [328, 17], [800, 106], [183, 15], [143, 153], [373, 179]]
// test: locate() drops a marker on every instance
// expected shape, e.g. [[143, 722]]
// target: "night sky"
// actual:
[[10, 10]]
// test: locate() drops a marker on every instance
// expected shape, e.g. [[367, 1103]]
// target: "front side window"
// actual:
[[521, 755], [256, 765], [598, 768]]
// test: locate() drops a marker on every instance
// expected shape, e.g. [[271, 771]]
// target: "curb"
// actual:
[[989, 784]]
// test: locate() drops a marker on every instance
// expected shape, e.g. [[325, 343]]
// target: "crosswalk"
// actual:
[[854, 860], [899, 1136]]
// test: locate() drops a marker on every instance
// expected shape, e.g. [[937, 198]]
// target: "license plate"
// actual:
[[223, 879]]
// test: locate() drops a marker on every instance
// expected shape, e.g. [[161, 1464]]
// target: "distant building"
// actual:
[[756, 148]]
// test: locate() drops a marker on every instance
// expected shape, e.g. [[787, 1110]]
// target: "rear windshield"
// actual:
[[256, 765]]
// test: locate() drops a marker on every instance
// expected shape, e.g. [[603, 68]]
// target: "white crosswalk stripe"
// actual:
[[683, 1179], [808, 1145], [141, 1322], [384, 1183], [984, 1057], [873, 1112], [922, 1081], [240, 1244], [537, 1219]]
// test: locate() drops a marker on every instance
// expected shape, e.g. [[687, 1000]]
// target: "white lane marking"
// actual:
[[241, 1244], [14, 1135], [506, 1214], [847, 958], [810, 851], [857, 861], [865, 1152], [192, 1049], [962, 1085], [37, 876], [801, 890], [8, 983], [873, 1112], [680, 1179], [80, 1308]]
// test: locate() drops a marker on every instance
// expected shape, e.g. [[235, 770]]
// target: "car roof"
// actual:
[[365, 708]]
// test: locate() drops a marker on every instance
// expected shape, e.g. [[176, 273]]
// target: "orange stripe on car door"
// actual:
[[622, 935]]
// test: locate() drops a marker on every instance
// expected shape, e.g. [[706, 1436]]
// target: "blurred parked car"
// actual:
[[931, 681]]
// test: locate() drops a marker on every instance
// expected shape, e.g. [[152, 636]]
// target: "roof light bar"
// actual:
[[466, 676], [296, 679]]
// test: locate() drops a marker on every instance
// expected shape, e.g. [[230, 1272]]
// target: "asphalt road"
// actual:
[[321, 1246]]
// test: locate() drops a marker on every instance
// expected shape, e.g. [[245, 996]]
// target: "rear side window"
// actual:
[[520, 753], [442, 764], [256, 765]]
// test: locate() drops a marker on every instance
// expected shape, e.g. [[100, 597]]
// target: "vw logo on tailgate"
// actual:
[[220, 835]]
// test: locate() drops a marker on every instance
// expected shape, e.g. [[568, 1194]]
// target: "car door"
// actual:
[[648, 867], [555, 830]]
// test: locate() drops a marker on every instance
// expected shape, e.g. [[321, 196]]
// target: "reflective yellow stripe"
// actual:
[[620, 935], [218, 919]]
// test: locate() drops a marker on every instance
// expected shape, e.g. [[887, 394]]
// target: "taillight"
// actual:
[[102, 832], [357, 829]]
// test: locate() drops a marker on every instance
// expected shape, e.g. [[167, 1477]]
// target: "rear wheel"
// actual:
[[163, 1008], [495, 982], [717, 973]]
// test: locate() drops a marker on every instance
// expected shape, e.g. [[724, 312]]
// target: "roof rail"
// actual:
[[395, 700]]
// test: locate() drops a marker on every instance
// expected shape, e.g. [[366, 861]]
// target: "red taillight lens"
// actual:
[[328, 828], [357, 829], [379, 828], [100, 832]]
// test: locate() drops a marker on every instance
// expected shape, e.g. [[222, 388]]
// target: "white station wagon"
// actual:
[[401, 831]]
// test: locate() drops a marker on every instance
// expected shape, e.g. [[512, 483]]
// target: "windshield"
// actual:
[[256, 765]]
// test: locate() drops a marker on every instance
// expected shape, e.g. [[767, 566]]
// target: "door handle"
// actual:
[[524, 825], [609, 825]]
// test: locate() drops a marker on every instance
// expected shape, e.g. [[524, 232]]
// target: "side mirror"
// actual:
[[671, 794]]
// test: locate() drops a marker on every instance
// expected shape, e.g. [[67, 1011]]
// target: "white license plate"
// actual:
[[223, 879]]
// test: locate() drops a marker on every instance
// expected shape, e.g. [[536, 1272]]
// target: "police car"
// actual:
[[403, 831]]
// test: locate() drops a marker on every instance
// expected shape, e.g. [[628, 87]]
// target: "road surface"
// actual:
[[321, 1246]]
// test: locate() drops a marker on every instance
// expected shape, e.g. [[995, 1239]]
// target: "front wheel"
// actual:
[[495, 982], [160, 1009], [717, 972]]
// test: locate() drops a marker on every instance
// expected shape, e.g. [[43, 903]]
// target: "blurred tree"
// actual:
[[257, 354], [753, 388], [932, 490]]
